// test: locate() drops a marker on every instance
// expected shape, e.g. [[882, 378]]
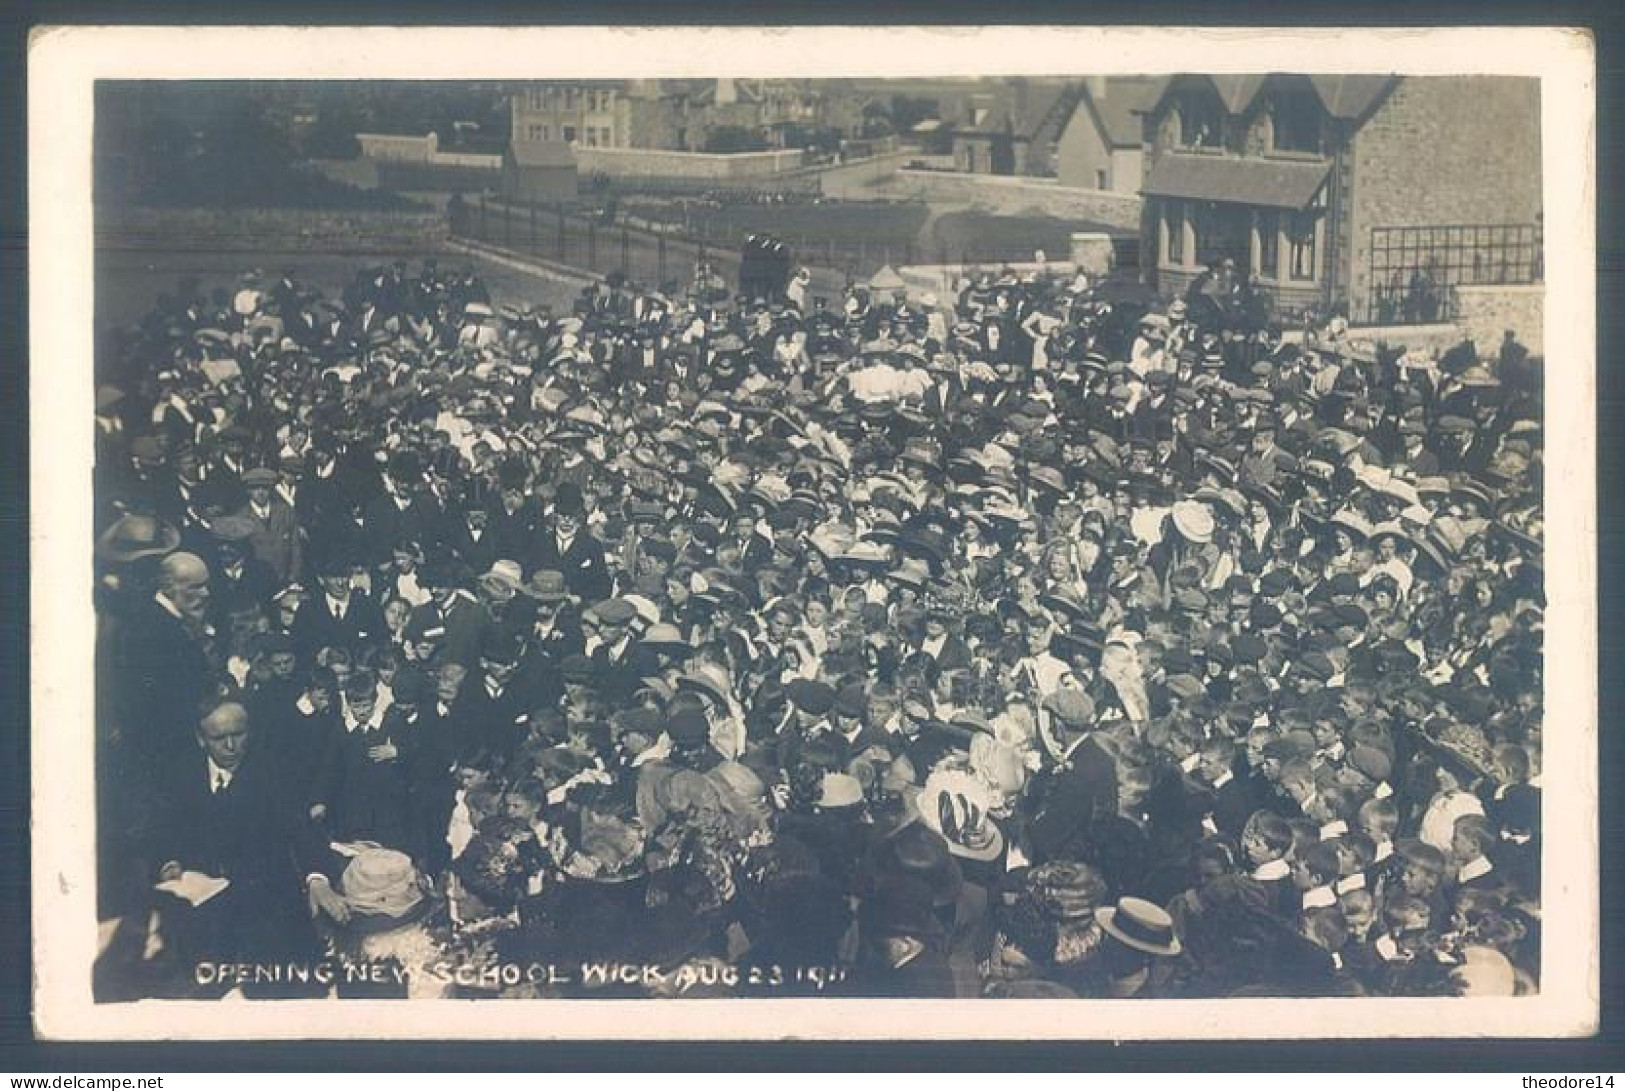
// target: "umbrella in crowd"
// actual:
[[1012, 643]]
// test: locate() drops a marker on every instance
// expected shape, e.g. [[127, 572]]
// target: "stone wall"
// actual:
[[267, 229], [638, 163], [1015, 196], [1486, 311]]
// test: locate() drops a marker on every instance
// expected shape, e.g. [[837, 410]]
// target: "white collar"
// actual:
[[1271, 870], [1389, 950], [338, 607], [217, 775], [1334, 829], [1474, 868], [1224, 778], [1320, 897], [1350, 882], [1384, 850]]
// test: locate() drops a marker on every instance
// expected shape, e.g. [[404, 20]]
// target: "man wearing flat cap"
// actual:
[[277, 539]]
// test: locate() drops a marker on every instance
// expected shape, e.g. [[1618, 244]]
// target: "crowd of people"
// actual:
[[1005, 644]]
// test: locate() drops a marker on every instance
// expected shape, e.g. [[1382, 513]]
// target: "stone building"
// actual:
[[1386, 197]]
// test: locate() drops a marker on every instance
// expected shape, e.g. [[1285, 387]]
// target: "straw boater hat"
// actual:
[[1142, 925]]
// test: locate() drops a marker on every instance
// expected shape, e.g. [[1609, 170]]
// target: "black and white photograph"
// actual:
[[1048, 530]]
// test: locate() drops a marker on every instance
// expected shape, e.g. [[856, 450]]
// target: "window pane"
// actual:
[[1302, 232], [1269, 244]]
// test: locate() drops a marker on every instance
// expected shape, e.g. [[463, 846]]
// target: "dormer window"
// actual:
[[1295, 122], [1201, 121]]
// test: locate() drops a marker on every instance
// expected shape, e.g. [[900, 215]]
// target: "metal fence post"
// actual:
[[483, 236], [626, 252], [530, 241], [592, 246], [660, 260]]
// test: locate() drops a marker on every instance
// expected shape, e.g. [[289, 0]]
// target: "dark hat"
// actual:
[[922, 855], [547, 585], [576, 668], [813, 697], [410, 686], [615, 612], [233, 528], [899, 906], [501, 646], [851, 700], [568, 500], [688, 727], [259, 477]]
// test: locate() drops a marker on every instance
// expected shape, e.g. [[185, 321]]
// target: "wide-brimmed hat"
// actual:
[[136, 536], [705, 682], [507, 573], [915, 852], [667, 638], [233, 528], [547, 585], [956, 805], [383, 891], [1193, 520], [1140, 924]]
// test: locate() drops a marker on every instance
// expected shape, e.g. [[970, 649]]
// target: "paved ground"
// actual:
[[129, 282]]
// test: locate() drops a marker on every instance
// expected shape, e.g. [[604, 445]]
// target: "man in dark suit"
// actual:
[[555, 634], [1081, 789], [162, 667], [1231, 796], [566, 547], [619, 661], [229, 811], [948, 651], [276, 538], [403, 510], [337, 616], [241, 580], [495, 706]]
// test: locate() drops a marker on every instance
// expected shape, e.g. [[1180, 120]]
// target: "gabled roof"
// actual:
[[542, 153], [1272, 183], [1236, 92], [1344, 96], [1040, 101], [1350, 97], [1117, 114]]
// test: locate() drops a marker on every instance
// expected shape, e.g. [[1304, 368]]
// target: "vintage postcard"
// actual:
[[833, 533]]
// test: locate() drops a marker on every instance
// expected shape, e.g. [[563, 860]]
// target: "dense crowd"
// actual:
[[1013, 643]]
